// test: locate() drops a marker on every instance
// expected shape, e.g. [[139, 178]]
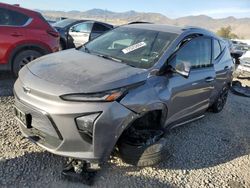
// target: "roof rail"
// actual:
[[139, 22], [193, 27], [199, 28]]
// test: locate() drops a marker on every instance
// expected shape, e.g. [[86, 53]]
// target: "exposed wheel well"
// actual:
[[149, 120]]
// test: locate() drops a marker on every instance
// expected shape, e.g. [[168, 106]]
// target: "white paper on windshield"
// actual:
[[134, 47]]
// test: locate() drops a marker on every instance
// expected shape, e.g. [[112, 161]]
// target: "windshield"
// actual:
[[64, 23], [137, 47]]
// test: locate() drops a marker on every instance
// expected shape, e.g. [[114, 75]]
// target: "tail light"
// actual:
[[53, 33]]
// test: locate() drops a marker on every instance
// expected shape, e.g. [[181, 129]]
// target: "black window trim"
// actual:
[[221, 50], [18, 26]]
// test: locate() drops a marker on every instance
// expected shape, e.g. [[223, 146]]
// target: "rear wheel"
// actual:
[[23, 58], [143, 147], [220, 101], [61, 46]]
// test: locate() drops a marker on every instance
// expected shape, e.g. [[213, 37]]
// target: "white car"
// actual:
[[244, 67]]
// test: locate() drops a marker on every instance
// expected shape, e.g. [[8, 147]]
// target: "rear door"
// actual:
[[190, 96], [11, 27], [223, 65], [80, 33]]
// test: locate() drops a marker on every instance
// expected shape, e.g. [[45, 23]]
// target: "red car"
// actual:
[[24, 36]]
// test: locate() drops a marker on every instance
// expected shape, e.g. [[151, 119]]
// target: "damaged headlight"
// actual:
[[107, 96]]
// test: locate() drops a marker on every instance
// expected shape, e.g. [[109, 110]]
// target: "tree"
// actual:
[[226, 32]]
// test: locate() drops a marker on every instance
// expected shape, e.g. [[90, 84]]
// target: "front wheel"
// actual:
[[143, 148], [23, 58], [220, 101]]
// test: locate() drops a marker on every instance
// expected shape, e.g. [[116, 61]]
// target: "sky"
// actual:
[[169, 8]]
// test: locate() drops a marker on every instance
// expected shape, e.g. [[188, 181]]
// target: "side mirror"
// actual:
[[237, 54], [180, 66]]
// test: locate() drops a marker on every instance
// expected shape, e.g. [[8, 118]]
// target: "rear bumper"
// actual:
[[54, 127]]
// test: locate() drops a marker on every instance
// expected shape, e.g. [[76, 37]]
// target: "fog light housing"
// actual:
[[86, 123]]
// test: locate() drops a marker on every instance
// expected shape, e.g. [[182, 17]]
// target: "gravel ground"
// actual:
[[211, 152]]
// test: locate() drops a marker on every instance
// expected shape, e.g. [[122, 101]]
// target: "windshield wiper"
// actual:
[[114, 59], [109, 57]]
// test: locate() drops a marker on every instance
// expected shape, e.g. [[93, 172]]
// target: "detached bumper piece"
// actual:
[[80, 171], [238, 89]]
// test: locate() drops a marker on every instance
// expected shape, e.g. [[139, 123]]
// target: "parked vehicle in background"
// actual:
[[240, 45], [245, 57], [243, 69], [237, 49], [25, 35], [125, 89], [51, 22], [75, 33]]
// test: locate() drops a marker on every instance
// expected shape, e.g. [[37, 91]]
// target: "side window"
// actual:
[[12, 18], [99, 28], [217, 49], [197, 52], [83, 28], [4, 17]]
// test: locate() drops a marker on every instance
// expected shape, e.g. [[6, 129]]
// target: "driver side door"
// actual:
[[80, 33], [190, 95]]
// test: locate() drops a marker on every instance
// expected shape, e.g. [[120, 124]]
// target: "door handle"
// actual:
[[15, 34], [209, 79], [226, 68]]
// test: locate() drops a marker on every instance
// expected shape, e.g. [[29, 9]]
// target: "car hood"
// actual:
[[73, 71]]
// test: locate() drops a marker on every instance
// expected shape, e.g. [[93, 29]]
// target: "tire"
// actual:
[[23, 58], [220, 101], [61, 46], [142, 155]]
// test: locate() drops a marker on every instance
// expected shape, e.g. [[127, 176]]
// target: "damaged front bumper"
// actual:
[[54, 127]]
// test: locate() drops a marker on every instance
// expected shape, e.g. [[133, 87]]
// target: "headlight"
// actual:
[[85, 123], [107, 96]]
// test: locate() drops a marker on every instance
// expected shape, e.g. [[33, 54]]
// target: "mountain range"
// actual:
[[240, 26]]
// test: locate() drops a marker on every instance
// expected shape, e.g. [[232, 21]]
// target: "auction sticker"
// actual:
[[134, 47]]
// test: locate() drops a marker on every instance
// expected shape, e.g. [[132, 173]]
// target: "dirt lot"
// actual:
[[211, 152]]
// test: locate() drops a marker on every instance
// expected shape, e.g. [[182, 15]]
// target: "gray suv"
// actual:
[[122, 91]]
